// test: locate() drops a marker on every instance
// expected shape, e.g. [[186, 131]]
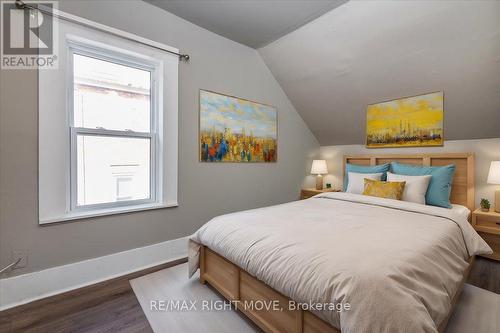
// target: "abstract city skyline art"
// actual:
[[236, 130], [406, 122]]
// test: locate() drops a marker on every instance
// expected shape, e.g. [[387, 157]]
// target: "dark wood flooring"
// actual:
[[485, 274], [106, 307], [111, 306]]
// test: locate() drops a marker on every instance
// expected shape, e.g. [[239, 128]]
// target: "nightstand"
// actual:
[[487, 224], [306, 193]]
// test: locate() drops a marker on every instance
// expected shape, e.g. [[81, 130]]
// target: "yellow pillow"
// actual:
[[389, 190]]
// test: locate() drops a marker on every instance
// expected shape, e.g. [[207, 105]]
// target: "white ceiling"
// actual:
[[255, 23], [370, 51]]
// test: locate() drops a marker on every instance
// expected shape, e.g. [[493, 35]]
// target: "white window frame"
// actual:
[[54, 133], [91, 50]]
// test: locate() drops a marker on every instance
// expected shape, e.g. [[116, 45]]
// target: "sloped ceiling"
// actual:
[[365, 52], [254, 23]]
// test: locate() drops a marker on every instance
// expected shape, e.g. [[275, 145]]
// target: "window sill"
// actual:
[[107, 211]]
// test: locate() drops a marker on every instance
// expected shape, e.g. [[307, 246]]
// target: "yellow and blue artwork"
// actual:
[[406, 122], [233, 129]]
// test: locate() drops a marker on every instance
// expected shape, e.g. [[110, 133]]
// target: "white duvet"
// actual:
[[397, 264]]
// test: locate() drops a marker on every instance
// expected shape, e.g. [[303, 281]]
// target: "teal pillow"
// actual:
[[365, 169], [439, 190]]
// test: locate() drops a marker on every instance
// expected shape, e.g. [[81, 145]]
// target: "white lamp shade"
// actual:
[[494, 174], [319, 167]]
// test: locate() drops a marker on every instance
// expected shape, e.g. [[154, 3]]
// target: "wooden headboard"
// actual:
[[462, 191]]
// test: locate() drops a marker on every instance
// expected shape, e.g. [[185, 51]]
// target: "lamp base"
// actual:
[[497, 201], [319, 183]]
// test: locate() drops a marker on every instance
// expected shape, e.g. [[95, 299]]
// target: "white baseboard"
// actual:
[[22, 289]]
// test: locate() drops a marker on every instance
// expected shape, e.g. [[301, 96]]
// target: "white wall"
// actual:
[[486, 150]]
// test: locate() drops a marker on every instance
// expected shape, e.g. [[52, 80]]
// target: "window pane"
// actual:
[[111, 169], [111, 96]]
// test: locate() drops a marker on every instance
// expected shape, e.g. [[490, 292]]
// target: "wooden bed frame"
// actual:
[[236, 285]]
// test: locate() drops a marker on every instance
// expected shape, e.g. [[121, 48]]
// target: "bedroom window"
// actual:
[[113, 129], [108, 127]]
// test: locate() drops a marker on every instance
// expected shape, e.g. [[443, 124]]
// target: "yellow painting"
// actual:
[[406, 122]]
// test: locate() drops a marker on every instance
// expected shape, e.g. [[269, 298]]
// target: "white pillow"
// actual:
[[415, 188], [357, 181]]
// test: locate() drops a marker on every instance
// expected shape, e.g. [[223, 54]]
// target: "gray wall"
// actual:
[[205, 190], [365, 52], [485, 151]]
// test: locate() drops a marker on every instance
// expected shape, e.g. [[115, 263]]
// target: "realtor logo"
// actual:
[[29, 35]]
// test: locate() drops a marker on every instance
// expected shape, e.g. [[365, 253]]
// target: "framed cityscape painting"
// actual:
[[415, 121], [236, 130]]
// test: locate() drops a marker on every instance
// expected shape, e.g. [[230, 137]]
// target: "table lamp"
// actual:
[[494, 178], [319, 168]]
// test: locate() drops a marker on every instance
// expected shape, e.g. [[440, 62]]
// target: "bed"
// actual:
[[342, 262]]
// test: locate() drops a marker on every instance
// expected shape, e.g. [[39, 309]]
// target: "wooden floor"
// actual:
[[486, 274], [112, 306], [109, 307]]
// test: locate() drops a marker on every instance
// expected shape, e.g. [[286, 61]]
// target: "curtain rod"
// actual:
[[21, 5]]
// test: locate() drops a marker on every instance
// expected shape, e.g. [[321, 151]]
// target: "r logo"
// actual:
[[26, 31], [29, 34]]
